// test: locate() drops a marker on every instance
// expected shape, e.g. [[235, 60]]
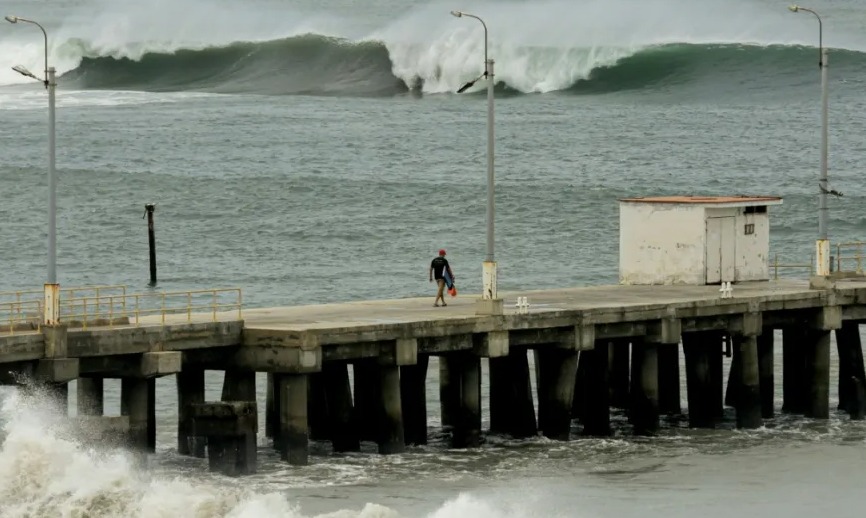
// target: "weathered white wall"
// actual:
[[753, 251], [661, 243]]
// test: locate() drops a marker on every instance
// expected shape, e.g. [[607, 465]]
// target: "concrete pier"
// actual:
[[388, 344]]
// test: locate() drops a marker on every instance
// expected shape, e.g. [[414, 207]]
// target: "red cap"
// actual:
[[442, 251]]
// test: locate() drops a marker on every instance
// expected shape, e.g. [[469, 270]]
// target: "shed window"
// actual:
[[758, 209]]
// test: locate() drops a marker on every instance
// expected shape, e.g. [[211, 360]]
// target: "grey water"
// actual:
[[313, 152]]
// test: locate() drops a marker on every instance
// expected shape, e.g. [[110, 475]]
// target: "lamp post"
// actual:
[[51, 311], [822, 245], [490, 303]]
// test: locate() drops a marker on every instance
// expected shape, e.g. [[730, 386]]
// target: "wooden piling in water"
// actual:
[[391, 437], [747, 395]]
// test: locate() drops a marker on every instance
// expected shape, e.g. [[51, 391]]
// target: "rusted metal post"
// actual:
[[151, 241]]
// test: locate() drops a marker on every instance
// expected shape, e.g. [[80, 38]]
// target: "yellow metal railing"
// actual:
[[20, 316], [776, 266], [135, 309], [851, 255]]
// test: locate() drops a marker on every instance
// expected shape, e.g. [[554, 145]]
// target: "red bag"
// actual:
[[452, 291]]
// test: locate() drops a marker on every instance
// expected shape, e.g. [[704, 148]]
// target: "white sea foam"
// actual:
[[46, 470]]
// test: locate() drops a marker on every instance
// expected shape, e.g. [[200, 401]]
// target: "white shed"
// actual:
[[694, 239]]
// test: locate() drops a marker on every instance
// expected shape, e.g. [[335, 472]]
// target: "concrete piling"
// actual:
[[338, 394], [137, 397], [644, 411], [578, 406], [228, 427], [618, 356], [765, 369], [391, 434], [596, 418], [317, 408], [818, 371], [467, 429], [449, 391], [151, 415], [734, 379], [190, 390], [557, 369], [747, 396], [272, 416], [699, 384], [669, 379], [851, 369], [413, 396], [90, 396], [294, 442], [794, 379], [368, 400], [512, 410], [715, 342]]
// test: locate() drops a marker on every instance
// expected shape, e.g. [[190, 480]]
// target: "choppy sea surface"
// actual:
[[313, 152]]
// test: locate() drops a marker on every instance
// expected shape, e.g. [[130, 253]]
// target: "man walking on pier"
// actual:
[[439, 269]]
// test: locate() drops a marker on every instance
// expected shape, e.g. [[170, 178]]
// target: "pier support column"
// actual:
[[449, 390], [338, 394], [697, 348], [596, 421], [90, 396], [272, 416], [765, 368], [368, 400], [556, 369], [818, 371], [715, 358], [851, 370], [644, 412], [293, 418], [578, 406], [317, 408], [413, 397], [669, 379], [391, 435], [240, 385], [512, 410], [746, 394], [619, 373], [467, 430], [794, 379], [190, 390], [137, 397]]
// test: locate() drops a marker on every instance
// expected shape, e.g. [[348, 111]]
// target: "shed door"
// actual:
[[721, 249]]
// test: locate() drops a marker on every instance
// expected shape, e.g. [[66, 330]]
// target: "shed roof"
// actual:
[[730, 201]]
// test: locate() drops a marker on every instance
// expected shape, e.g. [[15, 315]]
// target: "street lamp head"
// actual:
[[24, 72], [12, 19], [794, 8], [458, 14]]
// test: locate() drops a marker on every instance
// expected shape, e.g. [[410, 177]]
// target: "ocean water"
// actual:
[[315, 152]]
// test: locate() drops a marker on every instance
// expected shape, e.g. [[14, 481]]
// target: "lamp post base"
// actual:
[[488, 307], [489, 303], [822, 257], [51, 305]]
